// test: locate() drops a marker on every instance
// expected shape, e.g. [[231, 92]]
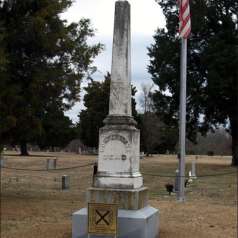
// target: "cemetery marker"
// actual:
[[117, 179]]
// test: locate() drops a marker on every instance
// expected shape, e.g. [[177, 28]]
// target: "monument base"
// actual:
[[124, 181], [142, 223], [129, 199]]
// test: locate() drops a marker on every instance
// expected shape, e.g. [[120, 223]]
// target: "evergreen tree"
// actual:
[[46, 61], [212, 97], [58, 130]]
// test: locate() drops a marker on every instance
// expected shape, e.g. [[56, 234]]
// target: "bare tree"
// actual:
[[156, 135], [146, 100]]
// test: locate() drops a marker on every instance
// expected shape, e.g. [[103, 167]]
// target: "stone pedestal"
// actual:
[[131, 199], [142, 223], [118, 159]]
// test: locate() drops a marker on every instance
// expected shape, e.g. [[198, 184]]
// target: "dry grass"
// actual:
[[33, 205]]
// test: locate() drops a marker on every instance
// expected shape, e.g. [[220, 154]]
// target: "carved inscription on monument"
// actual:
[[114, 137], [114, 147]]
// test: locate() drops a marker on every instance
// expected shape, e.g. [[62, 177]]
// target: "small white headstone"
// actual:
[[142, 155], [65, 182], [2, 162], [190, 178], [193, 174], [176, 187], [51, 164], [79, 150]]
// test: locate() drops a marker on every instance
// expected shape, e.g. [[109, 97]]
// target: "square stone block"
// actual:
[[142, 223], [131, 199], [118, 158]]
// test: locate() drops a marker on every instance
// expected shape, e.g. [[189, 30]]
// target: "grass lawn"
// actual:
[[34, 206]]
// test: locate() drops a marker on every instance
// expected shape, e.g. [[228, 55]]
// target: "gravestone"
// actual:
[[2, 162], [190, 178], [176, 184], [118, 179], [142, 155], [65, 182], [51, 164], [193, 172]]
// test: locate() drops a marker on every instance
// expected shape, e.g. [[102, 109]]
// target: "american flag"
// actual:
[[184, 19]]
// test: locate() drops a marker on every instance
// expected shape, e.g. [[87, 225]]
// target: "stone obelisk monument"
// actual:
[[119, 140], [118, 179]]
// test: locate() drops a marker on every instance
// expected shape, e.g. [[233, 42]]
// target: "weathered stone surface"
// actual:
[[65, 182], [2, 162], [118, 160], [131, 199], [120, 91], [176, 183], [142, 223], [51, 164], [117, 178], [119, 120], [119, 140], [194, 176]]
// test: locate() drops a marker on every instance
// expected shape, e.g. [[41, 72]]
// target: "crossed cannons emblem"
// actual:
[[102, 218]]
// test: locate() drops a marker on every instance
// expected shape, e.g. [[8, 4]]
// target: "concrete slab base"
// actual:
[[142, 223]]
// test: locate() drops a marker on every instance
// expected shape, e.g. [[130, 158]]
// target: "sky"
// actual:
[[146, 17]]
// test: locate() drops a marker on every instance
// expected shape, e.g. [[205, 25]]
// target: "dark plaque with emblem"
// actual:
[[102, 219]]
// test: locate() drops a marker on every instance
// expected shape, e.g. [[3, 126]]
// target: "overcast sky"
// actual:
[[146, 17]]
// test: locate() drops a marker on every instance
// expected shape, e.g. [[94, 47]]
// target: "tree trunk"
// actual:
[[23, 148], [1, 149], [234, 134]]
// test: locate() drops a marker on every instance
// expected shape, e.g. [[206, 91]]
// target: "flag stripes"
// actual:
[[184, 19]]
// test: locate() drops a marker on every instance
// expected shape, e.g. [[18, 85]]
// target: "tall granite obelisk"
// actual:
[[120, 93], [119, 140], [118, 179]]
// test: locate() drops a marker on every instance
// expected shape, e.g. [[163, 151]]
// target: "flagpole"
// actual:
[[182, 120]]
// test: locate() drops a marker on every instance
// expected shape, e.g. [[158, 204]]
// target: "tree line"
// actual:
[[43, 60], [212, 84]]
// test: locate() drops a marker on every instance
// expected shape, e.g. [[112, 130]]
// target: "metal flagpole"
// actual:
[[182, 120], [184, 32]]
